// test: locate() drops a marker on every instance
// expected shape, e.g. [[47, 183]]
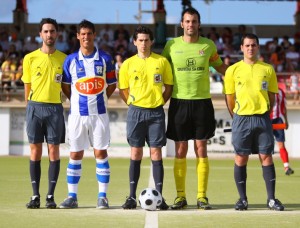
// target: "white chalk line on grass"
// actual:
[[151, 219]]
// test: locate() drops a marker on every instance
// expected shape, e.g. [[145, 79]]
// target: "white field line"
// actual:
[[151, 219]]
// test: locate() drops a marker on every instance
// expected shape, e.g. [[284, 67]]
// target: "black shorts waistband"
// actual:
[[149, 109], [35, 103]]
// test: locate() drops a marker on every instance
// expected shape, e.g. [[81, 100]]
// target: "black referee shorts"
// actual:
[[191, 119]]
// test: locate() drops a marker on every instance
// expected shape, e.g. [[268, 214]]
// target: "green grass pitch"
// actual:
[[15, 190]]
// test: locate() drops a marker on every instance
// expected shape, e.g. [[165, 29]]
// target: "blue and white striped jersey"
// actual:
[[89, 77]]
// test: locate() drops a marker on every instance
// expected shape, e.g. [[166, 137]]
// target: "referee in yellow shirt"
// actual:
[[250, 86], [42, 74], [145, 83]]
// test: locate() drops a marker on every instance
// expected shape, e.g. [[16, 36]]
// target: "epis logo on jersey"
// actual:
[[90, 85]]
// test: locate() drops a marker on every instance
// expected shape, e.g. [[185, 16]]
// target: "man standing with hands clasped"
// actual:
[[191, 112], [250, 86], [145, 83], [88, 81], [42, 74]]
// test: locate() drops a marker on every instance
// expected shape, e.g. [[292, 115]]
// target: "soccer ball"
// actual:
[[149, 199]]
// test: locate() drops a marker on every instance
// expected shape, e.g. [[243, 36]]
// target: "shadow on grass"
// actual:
[[288, 207]]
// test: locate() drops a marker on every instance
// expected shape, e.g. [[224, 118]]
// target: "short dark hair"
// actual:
[[86, 24], [48, 21], [249, 36], [144, 30], [191, 11]]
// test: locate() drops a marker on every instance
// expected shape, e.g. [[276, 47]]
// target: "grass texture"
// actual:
[[15, 191]]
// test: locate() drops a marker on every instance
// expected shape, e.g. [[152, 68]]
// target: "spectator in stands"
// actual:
[[131, 48], [109, 33], [215, 38], [17, 43], [12, 51], [271, 45], [227, 36], [213, 31], [297, 41], [63, 32], [18, 82], [106, 44], [227, 61], [121, 50], [227, 47], [285, 43], [236, 43], [17, 34], [277, 59], [120, 41], [30, 45], [215, 75], [4, 38], [118, 63], [292, 59], [8, 69], [2, 55], [294, 86], [121, 29], [72, 39], [62, 45], [279, 115]]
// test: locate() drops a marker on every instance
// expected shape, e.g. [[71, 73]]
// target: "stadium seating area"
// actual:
[[283, 52]]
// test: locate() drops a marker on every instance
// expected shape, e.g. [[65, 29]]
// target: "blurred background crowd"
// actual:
[[282, 52]]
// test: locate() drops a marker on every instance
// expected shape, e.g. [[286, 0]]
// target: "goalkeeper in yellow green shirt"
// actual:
[[191, 112]]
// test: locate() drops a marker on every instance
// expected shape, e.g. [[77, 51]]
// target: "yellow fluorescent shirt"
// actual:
[[250, 84], [44, 73], [145, 79]]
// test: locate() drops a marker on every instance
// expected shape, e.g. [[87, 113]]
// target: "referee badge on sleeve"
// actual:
[[58, 78], [157, 78], [264, 85]]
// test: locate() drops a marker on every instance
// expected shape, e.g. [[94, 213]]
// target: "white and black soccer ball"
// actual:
[[149, 199]]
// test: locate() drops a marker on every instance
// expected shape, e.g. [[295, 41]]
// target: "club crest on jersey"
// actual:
[[99, 70], [201, 52], [90, 85]]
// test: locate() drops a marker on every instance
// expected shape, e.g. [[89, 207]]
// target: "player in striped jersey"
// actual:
[[88, 81], [279, 115]]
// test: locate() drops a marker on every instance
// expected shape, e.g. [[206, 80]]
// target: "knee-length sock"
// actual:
[[134, 176], [240, 177], [73, 177], [270, 180], [202, 167], [103, 176], [35, 176], [53, 173], [158, 174], [179, 171], [284, 157]]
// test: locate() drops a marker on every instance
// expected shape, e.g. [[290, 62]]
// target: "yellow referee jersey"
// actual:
[[145, 79], [44, 73], [250, 83]]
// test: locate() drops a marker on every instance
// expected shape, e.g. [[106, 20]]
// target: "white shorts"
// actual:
[[86, 131], [294, 88]]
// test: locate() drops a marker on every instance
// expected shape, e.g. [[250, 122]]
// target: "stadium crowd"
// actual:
[[283, 53]]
